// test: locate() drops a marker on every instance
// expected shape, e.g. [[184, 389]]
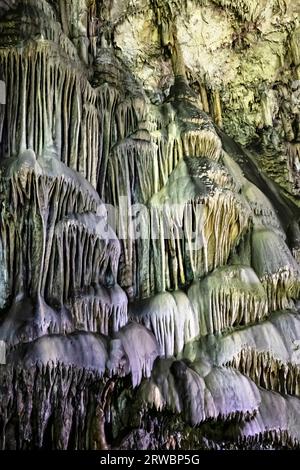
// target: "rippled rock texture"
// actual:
[[149, 224]]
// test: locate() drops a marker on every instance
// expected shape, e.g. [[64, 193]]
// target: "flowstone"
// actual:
[[149, 263]]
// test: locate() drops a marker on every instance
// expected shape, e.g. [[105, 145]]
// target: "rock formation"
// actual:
[[149, 224]]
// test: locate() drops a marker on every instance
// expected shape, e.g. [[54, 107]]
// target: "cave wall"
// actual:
[[149, 224]]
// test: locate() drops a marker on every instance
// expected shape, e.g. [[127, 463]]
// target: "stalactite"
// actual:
[[100, 310], [204, 98], [182, 389], [228, 297], [72, 136], [219, 223], [268, 372], [171, 318], [263, 211], [265, 352], [107, 98], [293, 154], [141, 350], [54, 408], [217, 110], [183, 293], [276, 420], [276, 268]]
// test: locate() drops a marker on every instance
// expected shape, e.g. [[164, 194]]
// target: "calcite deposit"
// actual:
[[149, 224]]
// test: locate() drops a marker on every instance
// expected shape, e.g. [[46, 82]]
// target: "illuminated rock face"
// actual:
[[149, 276]]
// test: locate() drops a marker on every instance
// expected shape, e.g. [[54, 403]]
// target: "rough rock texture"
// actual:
[[149, 224]]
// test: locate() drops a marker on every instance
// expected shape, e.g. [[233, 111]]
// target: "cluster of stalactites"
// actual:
[[277, 269], [229, 297], [56, 407], [270, 256], [279, 333], [182, 251], [260, 362], [119, 118], [72, 25], [189, 228], [84, 257], [68, 119], [34, 199], [100, 309], [55, 245], [276, 424], [172, 319], [140, 164], [63, 381], [177, 139], [61, 120], [268, 372], [267, 352], [54, 249], [194, 391]]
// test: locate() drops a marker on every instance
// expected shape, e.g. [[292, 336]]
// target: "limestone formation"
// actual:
[[149, 224]]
